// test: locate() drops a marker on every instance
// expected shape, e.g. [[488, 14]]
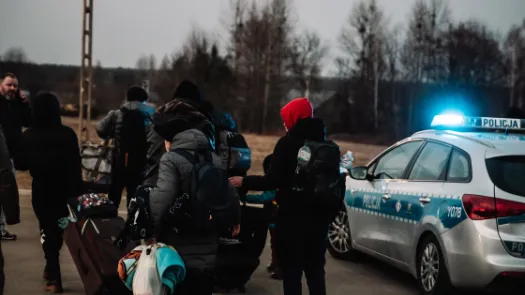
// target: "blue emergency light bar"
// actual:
[[451, 121]]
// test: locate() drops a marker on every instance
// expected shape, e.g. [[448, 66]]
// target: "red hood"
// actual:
[[299, 108]]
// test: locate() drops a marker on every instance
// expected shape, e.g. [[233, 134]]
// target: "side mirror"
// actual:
[[359, 173]]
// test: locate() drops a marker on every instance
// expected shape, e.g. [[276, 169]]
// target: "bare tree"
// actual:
[[361, 41], [423, 57], [514, 48], [16, 55], [305, 56]]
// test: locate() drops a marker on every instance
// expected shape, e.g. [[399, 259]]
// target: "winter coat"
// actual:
[[111, 126], [168, 120], [197, 251], [51, 154], [9, 198], [14, 114], [292, 205]]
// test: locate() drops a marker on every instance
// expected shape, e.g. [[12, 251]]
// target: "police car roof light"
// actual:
[[451, 121]]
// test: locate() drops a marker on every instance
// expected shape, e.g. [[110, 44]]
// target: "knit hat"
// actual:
[[136, 93], [295, 110], [188, 92]]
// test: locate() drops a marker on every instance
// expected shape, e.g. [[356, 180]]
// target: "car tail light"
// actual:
[[482, 207], [512, 274]]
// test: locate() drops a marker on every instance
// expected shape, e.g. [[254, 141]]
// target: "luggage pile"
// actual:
[[90, 238], [96, 167]]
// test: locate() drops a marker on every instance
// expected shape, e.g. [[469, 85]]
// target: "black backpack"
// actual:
[[132, 133], [319, 175], [234, 152], [205, 203]]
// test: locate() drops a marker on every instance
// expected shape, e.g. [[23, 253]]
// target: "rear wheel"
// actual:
[[340, 238], [432, 273]]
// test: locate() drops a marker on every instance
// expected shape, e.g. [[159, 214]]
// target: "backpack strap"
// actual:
[[192, 158]]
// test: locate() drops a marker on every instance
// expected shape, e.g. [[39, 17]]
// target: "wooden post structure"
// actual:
[[86, 72]]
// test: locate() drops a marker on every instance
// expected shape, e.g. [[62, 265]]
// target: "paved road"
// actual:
[[24, 265]]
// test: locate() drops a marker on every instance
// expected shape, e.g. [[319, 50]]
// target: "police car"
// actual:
[[446, 205]]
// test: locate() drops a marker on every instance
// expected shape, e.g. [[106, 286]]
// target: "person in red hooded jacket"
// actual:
[[301, 232]]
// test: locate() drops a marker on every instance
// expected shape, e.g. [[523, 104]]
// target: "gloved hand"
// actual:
[[63, 222]]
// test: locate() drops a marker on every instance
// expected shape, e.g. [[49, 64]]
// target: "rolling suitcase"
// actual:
[[91, 244], [238, 258]]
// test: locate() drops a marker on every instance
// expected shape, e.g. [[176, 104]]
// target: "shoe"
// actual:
[[277, 274], [7, 236], [54, 288]]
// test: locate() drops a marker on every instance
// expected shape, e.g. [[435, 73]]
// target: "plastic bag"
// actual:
[[346, 160], [146, 280]]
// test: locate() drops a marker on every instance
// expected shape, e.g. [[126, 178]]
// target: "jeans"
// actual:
[[302, 249]]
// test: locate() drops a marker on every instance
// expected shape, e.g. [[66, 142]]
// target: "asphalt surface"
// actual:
[[25, 262]]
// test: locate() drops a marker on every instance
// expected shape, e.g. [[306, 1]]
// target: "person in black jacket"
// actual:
[[301, 232], [188, 93], [9, 199], [128, 127], [14, 114], [51, 154]]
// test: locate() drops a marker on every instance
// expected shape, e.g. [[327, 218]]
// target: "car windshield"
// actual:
[[508, 173]]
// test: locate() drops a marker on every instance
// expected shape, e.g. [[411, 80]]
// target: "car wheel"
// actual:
[[432, 273], [340, 238]]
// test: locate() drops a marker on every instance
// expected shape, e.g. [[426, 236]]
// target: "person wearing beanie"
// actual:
[[127, 126], [51, 154], [194, 110], [300, 231], [136, 93]]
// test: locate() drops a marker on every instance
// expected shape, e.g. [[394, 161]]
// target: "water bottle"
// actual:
[[346, 160]]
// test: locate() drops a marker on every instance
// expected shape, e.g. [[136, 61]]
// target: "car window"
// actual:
[[507, 173], [392, 165], [431, 163], [459, 169]]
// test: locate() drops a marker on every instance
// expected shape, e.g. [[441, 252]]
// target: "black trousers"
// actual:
[[301, 248], [124, 178], [197, 282], [51, 237]]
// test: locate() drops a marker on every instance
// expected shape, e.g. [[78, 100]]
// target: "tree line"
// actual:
[[389, 77]]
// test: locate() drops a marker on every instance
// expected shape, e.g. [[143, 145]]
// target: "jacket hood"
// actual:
[[309, 129], [224, 121], [45, 111], [295, 110], [191, 139], [176, 117]]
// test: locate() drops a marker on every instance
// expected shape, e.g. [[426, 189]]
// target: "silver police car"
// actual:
[[446, 205]]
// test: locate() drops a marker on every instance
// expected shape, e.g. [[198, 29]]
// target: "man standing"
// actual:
[[14, 114], [127, 126]]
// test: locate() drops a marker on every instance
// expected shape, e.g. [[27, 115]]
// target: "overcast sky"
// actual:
[[50, 30]]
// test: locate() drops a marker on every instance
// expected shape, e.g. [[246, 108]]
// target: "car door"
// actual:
[[412, 199], [368, 198]]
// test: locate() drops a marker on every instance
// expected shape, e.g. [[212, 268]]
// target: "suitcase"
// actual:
[[91, 244], [238, 258]]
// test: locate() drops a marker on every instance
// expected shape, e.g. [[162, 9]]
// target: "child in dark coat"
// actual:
[[51, 154], [270, 206]]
